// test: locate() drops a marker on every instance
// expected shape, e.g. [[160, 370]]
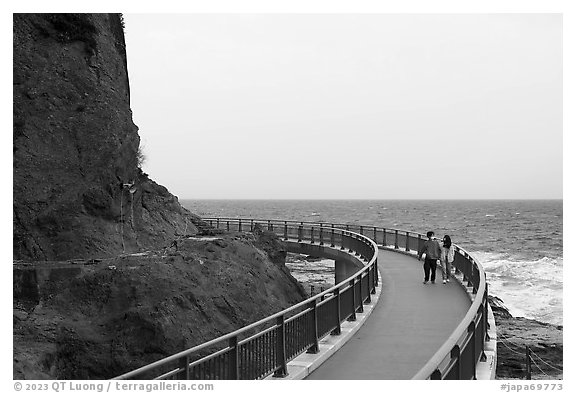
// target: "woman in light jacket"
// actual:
[[446, 258]]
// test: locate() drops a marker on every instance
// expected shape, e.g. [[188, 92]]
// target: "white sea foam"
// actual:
[[529, 288]]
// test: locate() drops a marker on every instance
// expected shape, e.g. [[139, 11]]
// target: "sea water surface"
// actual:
[[519, 242]]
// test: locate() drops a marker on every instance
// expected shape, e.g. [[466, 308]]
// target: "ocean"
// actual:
[[518, 242]]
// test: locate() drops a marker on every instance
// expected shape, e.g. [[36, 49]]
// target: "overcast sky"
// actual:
[[368, 106]]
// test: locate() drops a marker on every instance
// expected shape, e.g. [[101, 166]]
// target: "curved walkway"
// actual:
[[410, 322]]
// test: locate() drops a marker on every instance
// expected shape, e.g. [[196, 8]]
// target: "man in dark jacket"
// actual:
[[432, 250]]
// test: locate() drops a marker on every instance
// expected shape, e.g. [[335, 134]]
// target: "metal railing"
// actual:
[[265, 347], [457, 358]]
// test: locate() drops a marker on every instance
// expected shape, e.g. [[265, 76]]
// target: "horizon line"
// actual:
[[372, 199]]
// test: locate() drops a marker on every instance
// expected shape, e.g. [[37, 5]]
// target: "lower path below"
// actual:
[[409, 324]]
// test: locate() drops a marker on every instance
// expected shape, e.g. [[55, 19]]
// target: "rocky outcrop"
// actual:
[[79, 191], [99, 320], [86, 305], [544, 340]]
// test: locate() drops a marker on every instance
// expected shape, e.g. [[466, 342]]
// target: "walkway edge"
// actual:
[[304, 364]]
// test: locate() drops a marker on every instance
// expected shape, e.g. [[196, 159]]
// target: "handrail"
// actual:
[[316, 223], [455, 359], [309, 306], [472, 331]]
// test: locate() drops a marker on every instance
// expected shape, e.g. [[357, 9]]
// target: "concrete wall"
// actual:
[[346, 264]]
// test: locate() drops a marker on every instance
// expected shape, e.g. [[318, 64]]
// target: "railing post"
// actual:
[[396, 239], [337, 330], [312, 234], [375, 275], [455, 353], [353, 289], [471, 276], [371, 288], [240, 225], [368, 298], [472, 329], [281, 348], [384, 237], [361, 307], [300, 233], [184, 365], [321, 235], [234, 365], [407, 241], [217, 223], [251, 225], [456, 271], [228, 225], [375, 237], [313, 310], [361, 229], [285, 230], [419, 243], [332, 236]]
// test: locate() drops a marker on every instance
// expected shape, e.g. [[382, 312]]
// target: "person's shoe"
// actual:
[[425, 282], [447, 280], [433, 282], [443, 281]]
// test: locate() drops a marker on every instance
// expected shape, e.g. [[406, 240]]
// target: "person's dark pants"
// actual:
[[430, 269]]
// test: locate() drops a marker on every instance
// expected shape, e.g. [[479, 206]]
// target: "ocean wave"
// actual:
[[529, 288]]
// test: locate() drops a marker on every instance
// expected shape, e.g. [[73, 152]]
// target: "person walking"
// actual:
[[446, 258], [432, 250]]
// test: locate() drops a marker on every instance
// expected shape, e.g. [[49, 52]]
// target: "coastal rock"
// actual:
[[79, 191], [515, 333], [106, 277], [269, 242], [95, 322]]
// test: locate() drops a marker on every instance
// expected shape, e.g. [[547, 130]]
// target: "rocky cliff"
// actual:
[[107, 276], [79, 191]]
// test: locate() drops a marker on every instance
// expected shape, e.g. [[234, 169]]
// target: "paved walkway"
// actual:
[[409, 324]]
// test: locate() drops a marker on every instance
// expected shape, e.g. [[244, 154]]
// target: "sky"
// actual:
[[349, 106], [346, 106]]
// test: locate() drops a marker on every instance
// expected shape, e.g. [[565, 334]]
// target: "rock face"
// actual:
[[514, 334], [78, 188], [100, 320], [86, 305]]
